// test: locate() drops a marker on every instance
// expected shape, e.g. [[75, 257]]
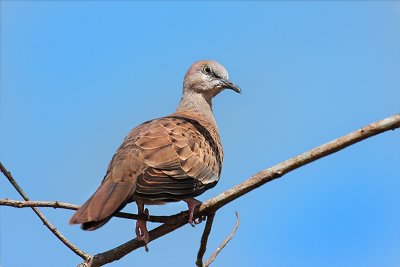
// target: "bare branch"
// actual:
[[176, 221], [224, 243], [69, 206], [29, 204], [53, 229], [252, 183], [204, 239]]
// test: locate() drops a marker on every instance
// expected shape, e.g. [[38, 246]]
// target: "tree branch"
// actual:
[[204, 239], [284, 167], [252, 183], [69, 206], [224, 243], [53, 229]]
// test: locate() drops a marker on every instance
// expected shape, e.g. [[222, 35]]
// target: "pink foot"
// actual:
[[192, 204], [141, 229]]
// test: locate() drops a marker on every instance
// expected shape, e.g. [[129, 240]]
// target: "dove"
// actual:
[[173, 158]]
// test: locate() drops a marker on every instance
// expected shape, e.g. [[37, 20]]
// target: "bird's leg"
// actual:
[[141, 228], [192, 204]]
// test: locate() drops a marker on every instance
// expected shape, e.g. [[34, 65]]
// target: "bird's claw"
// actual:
[[141, 229], [198, 220], [192, 204]]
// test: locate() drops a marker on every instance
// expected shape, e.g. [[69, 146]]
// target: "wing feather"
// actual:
[[182, 160]]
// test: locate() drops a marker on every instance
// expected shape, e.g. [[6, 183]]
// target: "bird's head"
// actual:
[[208, 78]]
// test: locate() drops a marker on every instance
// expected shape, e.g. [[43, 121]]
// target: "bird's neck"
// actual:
[[197, 103]]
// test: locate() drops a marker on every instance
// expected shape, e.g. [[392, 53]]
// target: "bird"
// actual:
[[168, 159]]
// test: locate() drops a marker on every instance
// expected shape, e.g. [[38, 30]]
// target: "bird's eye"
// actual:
[[207, 70]]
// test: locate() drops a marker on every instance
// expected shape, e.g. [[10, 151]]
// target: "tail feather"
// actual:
[[103, 204], [89, 226]]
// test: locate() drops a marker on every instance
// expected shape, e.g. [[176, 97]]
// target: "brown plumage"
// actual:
[[172, 158]]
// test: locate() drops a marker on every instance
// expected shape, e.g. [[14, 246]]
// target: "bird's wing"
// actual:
[[182, 156]]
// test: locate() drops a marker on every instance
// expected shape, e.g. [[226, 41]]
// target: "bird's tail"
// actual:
[[109, 198]]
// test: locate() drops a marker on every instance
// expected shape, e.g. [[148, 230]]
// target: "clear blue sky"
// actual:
[[77, 76]]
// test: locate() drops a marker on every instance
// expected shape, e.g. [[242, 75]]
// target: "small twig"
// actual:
[[53, 229], [224, 243], [204, 239], [44, 204], [69, 206]]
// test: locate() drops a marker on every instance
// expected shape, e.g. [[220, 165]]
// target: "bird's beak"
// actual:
[[229, 85]]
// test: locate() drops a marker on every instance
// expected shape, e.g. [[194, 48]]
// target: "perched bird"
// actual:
[[173, 158]]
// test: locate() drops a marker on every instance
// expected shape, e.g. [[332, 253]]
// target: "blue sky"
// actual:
[[77, 76]]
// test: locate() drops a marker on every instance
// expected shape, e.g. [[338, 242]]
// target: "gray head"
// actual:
[[208, 78]]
